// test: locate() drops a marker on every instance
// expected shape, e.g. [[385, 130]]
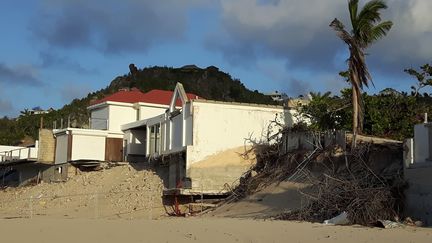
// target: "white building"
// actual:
[[104, 140], [202, 141]]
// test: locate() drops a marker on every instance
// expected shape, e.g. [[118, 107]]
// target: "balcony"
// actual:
[[21, 154]]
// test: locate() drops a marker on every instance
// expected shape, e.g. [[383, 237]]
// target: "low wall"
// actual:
[[23, 174], [419, 192]]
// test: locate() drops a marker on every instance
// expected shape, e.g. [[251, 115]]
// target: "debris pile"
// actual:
[[365, 196], [366, 182], [113, 192]]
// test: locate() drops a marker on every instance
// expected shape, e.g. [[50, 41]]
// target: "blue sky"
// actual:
[[55, 50]]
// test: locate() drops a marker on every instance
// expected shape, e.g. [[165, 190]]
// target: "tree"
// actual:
[[367, 28], [424, 77], [325, 111]]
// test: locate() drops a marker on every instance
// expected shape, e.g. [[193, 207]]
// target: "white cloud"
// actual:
[[299, 32]]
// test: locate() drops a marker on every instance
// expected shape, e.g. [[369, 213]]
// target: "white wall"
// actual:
[[421, 143], [120, 115], [218, 127], [136, 141], [188, 124], [148, 111], [88, 147], [61, 149], [99, 118], [177, 132]]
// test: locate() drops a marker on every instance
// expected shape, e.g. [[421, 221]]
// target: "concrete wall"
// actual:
[[88, 147], [220, 133], [61, 148], [218, 127], [188, 120], [421, 143], [419, 193], [418, 173], [46, 149], [177, 132], [119, 115], [150, 110], [214, 136], [23, 174]]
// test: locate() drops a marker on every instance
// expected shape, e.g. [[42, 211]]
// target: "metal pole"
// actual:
[[68, 122]]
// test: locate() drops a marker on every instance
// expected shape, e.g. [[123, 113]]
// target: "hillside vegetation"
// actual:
[[209, 83]]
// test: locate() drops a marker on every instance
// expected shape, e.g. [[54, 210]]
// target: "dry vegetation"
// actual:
[[366, 182]]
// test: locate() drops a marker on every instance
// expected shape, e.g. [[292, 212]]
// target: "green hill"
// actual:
[[209, 83]]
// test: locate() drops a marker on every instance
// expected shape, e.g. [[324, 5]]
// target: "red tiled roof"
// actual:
[[156, 96], [163, 97]]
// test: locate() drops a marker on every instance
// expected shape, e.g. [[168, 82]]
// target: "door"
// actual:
[[113, 149]]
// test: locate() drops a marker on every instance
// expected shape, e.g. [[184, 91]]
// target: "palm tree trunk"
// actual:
[[355, 109], [356, 105]]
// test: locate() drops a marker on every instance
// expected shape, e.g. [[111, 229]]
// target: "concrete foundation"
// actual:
[[23, 174]]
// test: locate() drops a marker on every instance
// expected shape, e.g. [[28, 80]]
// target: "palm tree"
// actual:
[[367, 28]]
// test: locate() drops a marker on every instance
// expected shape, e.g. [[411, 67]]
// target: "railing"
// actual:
[[93, 123], [19, 154], [70, 121]]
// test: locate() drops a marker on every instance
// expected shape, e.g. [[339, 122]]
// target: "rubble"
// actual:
[[119, 191]]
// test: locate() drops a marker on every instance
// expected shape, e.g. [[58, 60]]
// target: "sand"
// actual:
[[197, 230], [119, 192], [271, 201], [129, 209]]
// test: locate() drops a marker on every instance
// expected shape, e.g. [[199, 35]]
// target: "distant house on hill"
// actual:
[[277, 96], [38, 110], [390, 91], [191, 67]]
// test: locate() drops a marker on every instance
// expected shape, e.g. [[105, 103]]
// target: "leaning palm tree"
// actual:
[[367, 28]]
